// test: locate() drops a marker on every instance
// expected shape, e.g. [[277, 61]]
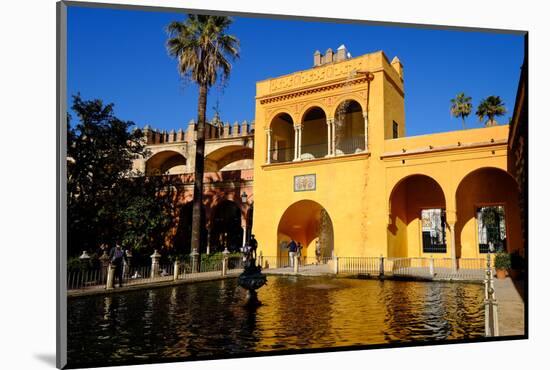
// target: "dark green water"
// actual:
[[209, 319]]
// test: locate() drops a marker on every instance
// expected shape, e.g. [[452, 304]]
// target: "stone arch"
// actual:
[[182, 237], [282, 138], [349, 127], [278, 112], [305, 221], [228, 158], [354, 97], [165, 162], [314, 138], [410, 198], [309, 106], [226, 227], [480, 189]]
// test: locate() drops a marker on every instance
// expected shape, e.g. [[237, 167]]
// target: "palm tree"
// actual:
[[203, 51], [491, 107], [461, 106]]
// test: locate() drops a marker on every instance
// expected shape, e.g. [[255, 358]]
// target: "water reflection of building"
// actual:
[[327, 160]]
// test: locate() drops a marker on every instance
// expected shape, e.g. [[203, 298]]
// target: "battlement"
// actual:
[[214, 129]]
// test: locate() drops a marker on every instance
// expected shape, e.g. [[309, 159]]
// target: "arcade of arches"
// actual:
[[316, 135], [227, 219], [487, 213]]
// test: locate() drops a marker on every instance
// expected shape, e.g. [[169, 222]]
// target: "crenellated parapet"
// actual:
[[213, 130]]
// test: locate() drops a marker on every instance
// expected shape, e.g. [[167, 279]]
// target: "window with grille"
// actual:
[[433, 230], [491, 229]]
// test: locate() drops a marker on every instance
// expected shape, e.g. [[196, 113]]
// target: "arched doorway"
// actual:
[[488, 213], [226, 228], [417, 222], [349, 127], [182, 238], [305, 221]]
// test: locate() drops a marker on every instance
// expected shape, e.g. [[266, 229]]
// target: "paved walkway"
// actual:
[[511, 310]]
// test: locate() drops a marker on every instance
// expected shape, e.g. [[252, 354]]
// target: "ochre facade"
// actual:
[[332, 163]]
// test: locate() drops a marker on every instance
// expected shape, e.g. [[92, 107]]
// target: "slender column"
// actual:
[[365, 116], [333, 136], [300, 128], [268, 133], [244, 235], [295, 142], [453, 246], [329, 136]]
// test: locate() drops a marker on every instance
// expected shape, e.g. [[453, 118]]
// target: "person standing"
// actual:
[[292, 247], [118, 258], [317, 252], [299, 253], [253, 244]]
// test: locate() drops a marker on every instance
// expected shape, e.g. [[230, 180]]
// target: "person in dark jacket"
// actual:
[[117, 257], [292, 249]]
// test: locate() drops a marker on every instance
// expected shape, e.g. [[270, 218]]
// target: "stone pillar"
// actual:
[[295, 142], [432, 271], [453, 246], [225, 262], [300, 128], [381, 268], [176, 269], [333, 136], [329, 136], [490, 302], [261, 259], [365, 116], [104, 259], [110, 277], [195, 262], [155, 260], [128, 267], [244, 235], [335, 262], [268, 133], [208, 238]]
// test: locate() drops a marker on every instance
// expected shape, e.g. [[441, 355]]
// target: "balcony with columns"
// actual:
[[318, 135]]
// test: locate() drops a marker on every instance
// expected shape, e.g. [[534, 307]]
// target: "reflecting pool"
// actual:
[[208, 319]]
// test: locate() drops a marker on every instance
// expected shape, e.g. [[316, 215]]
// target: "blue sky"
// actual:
[[119, 56]]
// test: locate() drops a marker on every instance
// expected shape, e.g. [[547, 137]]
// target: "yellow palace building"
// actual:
[[332, 165]]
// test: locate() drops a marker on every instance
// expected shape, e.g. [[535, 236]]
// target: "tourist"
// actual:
[[317, 252], [299, 252], [253, 244], [291, 251], [118, 258]]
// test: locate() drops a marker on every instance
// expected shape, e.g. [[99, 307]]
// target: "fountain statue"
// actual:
[[252, 278]]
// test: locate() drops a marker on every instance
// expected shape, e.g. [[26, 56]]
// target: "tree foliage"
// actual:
[[107, 201], [461, 106], [490, 107]]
